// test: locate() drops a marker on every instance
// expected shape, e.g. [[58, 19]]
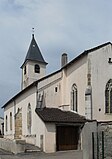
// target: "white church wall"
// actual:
[[76, 74], [21, 102], [31, 72], [51, 87], [29, 97], [101, 73], [9, 133], [63, 81], [40, 133], [30, 75], [49, 80], [50, 135], [64, 103]]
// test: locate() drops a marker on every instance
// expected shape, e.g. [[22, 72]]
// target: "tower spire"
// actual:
[[34, 65], [33, 30]]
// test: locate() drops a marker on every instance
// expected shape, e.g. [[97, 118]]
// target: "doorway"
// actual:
[[67, 137]]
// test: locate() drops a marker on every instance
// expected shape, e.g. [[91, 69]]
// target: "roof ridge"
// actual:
[[85, 52], [98, 47]]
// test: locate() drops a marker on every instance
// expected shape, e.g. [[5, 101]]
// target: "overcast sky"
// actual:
[[70, 26]]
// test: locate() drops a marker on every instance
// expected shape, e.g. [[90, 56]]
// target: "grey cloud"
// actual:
[[60, 26]]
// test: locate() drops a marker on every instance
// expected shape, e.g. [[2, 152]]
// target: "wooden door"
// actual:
[[67, 138]]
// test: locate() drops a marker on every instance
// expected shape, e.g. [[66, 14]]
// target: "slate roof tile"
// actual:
[[34, 52]]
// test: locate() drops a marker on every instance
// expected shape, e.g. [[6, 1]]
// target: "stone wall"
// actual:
[[12, 146], [18, 124], [106, 127], [87, 131]]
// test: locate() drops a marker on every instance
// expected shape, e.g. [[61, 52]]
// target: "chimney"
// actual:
[[64, 59]]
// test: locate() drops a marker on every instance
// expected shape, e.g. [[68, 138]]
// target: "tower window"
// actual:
[[37, 68], [24, 70]]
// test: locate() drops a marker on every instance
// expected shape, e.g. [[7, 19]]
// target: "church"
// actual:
[[53, 111]]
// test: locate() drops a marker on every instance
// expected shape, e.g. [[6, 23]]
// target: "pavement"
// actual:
[[41, 155]]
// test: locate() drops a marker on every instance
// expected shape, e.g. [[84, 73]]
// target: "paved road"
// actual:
[[40, 155]]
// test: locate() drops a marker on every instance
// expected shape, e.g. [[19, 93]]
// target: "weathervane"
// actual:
[[33, 30]]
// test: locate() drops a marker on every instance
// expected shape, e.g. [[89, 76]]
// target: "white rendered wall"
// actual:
[[30, 75], [48, 86], [40, 131], [9, 133], [63, 80], [101, 73], [22, 102], [50, 138], [76, 74]]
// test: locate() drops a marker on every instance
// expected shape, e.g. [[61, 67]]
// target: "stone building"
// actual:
[[57, 108]]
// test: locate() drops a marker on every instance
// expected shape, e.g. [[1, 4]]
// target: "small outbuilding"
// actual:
[[61, 128]]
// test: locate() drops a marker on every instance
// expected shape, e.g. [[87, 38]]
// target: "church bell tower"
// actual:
[[34, 65]]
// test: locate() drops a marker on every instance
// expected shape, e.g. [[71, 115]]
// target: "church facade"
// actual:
[[51, 110]]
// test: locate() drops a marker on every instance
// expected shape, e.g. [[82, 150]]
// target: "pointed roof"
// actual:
[[34, 53]]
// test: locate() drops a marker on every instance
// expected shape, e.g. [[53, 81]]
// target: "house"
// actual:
[[60, 107]]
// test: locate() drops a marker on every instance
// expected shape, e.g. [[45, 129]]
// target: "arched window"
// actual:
[[29, 121], [74, 97], [37, 68], [108, 97], [10, 120], [6, 124]]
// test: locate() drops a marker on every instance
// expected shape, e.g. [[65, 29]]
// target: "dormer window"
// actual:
[[37, 68]]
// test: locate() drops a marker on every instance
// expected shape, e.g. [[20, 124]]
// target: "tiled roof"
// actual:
[[59, 116]]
